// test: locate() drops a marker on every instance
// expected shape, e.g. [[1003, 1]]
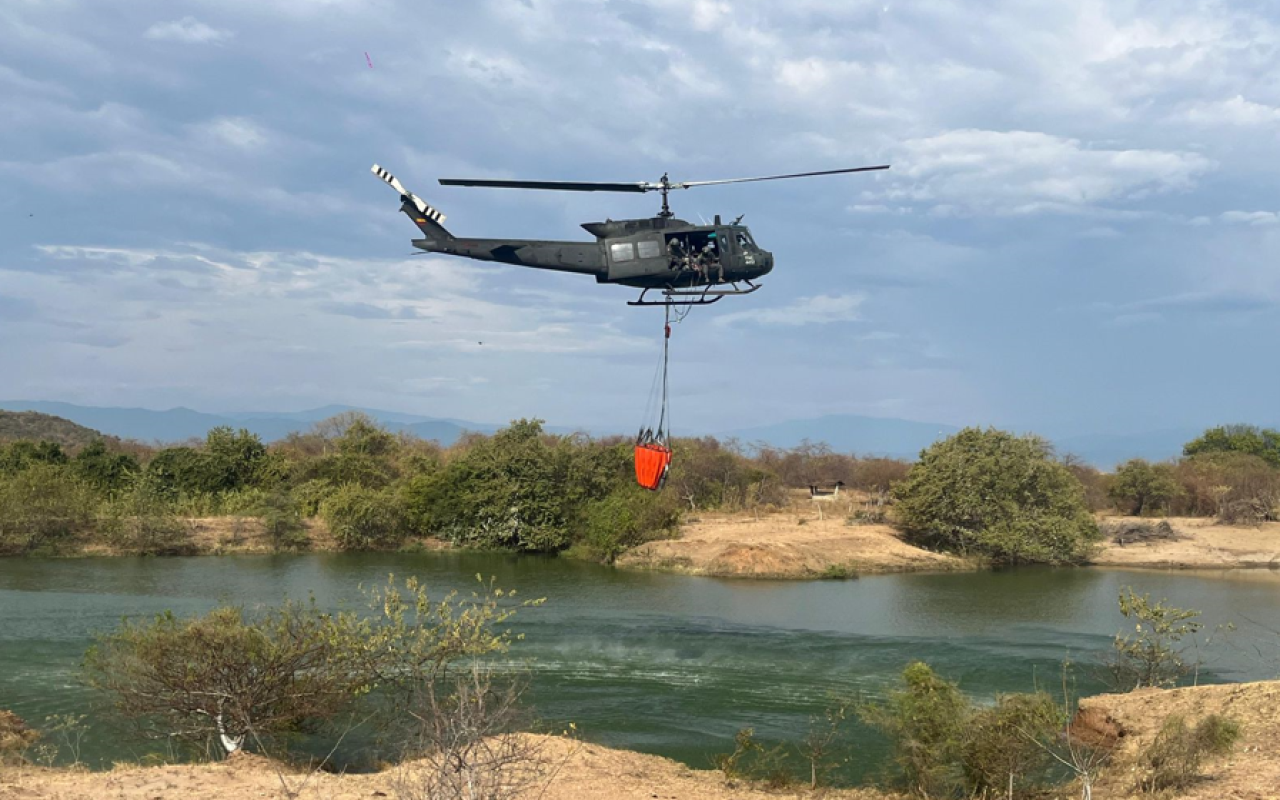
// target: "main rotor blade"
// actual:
[[559, 186], [688, 184]]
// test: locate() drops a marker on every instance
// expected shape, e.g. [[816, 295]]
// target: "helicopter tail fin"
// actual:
[[429, 220]]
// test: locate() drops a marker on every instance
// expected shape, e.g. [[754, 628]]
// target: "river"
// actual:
[[664, 664]]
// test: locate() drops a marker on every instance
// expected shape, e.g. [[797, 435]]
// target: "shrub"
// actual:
[[752, 761], [256, 680], [1238, 488], [283, 524], [925, 721], [1006, 747], [994, 494], [1249, 439], [627, 518], [1139, 487], [1150, 656], [104, 470], [1174, 757], [43, 506], [365, 519], [141, 522], [16, 737]]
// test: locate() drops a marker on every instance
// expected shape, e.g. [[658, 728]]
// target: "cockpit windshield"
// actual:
[[744, 239]]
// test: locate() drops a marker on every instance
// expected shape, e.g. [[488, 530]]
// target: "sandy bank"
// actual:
[[581, 771], [1251, 772], [1202, 544], [787, 544]]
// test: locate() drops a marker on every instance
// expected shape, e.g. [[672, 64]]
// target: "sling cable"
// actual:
[[653, 443]]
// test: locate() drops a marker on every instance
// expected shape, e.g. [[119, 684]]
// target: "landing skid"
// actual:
[[672, 296]]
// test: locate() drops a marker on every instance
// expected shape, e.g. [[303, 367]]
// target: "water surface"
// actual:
[[665, 664]]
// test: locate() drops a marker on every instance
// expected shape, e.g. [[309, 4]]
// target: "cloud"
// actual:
[[1235, 111], [187, 30], [1019, 172], [1252, 217], [818, 310]]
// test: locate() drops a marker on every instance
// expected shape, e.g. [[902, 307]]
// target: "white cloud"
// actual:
[[1252, 217], [188, 30], [239, 132], [818, 310], [1015, 172], [1236, 111]]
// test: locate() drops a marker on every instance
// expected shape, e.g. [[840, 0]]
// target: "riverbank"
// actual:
[[573, 770], [1198, 543], [786, 544], [578, 770]]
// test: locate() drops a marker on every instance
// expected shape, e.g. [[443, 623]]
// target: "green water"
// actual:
[[659, 663]]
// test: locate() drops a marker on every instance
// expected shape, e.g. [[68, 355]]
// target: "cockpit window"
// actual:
[[744, 240]]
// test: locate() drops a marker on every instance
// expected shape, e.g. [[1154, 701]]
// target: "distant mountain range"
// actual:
[[847, 433]]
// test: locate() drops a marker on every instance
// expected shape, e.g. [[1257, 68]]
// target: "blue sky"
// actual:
[[1080, 231]]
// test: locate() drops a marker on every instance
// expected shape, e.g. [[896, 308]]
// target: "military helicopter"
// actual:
[[685, 264]]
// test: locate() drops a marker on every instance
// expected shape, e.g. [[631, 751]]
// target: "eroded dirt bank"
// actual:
[[786, 544]]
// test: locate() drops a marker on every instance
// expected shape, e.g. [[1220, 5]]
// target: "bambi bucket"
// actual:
[[652, 461]]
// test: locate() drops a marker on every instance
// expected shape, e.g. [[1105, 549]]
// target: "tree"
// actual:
[[990, 493], [19, 455], [104, 470], [1150, 656], [1261, 442], [235, 458], [1140, 487], [513, 489]]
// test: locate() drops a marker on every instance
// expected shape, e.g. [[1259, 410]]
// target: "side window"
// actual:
[[623, 252], [648, 249], [743, 244]]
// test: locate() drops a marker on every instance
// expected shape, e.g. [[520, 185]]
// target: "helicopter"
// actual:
[[685, 264]]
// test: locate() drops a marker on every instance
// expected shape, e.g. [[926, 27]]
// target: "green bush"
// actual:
[[1139, 487], [990, 493], [365, 519], [1261, 442], [925, 721], [234, 679], [43, 507], [1151, 656], [1006, 748], [140, 521], [105, 471], [627, 518]]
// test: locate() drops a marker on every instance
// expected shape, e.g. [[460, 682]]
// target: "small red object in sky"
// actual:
[[366, 58]]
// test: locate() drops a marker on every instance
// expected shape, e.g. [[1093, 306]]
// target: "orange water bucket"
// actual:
[[652, 461]]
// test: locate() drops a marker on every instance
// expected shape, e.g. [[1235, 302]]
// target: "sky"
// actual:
[[1080, 232]]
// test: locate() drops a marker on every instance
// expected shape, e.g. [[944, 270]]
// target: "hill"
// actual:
[[181, 424], [15, 425]]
